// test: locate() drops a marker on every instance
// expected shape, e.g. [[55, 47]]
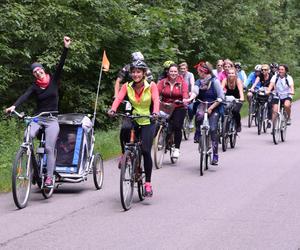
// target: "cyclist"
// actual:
[[141, 95], [171, 89], [219, 68], [124, 74], [240, 72], [166, 66], [208, 88], [274, 68], [283, 84], [190, 80], [233, 86], [228, 64], [45, 90], [264, 78]]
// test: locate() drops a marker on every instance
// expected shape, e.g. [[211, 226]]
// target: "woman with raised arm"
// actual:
[[45, 90]]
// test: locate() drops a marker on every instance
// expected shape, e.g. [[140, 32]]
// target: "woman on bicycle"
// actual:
[[233, 86], [264, 79], [142, 96], [283, 84], [208, 89], [171, 89], [45, 90]]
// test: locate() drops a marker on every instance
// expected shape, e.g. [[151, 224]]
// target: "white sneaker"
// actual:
[[191, 125], [176, 153]]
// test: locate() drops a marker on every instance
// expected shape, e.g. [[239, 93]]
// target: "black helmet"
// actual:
[[274, 65], [139, 64]]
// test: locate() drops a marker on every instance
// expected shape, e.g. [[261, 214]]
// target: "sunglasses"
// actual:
[[220, 65], [264, 69]]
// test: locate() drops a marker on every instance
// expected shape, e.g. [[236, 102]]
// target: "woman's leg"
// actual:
[[51, 134], [147, 136], [177, 125], [213, 123]]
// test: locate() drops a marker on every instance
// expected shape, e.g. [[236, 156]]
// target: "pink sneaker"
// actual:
[[148, 189], [49, 182]]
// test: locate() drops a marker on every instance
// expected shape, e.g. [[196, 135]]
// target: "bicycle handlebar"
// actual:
[[136, 116], [205, 102], [22, 115]]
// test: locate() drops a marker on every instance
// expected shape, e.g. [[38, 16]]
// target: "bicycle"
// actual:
[[280, 124], [205, 146], [132, 171], [229, 130], [164, 139], [252, 110], [30, 164], [262, 111]]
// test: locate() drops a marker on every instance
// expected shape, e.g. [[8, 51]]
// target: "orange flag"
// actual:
[[105, 62]]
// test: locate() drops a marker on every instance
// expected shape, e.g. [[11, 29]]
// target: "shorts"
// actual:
[[276, 100]]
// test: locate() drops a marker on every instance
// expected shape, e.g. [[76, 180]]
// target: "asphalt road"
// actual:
[[250, 201]]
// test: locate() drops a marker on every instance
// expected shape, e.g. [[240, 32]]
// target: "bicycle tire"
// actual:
[[283, 128], [186, 128], [21, 201], [203, 154], [225, 134], [265, 118], [233, 136], [127, 178], [250, 114], [98, 171], [159, 148], [259, 119], [276, 130], [141, 181]]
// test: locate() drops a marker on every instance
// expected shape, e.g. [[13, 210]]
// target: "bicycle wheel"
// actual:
[[250, 114], [159, 148], [220, 131], [186, 128], [276, 129], [48, 192], [225, 134], [173, 159], [265, 118], [98, 171], [21, 178], [259, 115], [127, 180], [283, 127], [233, 134], [140, 173], [203, 154]]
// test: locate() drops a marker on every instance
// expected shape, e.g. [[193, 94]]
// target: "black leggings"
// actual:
[[176, 124], [146, 133], [236, 113]]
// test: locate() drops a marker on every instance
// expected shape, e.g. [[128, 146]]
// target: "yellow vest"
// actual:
[[141, 107]]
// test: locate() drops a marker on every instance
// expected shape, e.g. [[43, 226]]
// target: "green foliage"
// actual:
[[248, 31]]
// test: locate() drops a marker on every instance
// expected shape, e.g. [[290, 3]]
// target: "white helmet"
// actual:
[[257, 67], [137, 56]]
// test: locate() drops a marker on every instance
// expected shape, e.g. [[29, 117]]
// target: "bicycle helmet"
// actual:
[[237, 65], [167, 64], [257, 67], [139, 64], [135, 56], [274, 65]]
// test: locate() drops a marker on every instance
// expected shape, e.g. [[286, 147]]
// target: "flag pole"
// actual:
[[96, 102]]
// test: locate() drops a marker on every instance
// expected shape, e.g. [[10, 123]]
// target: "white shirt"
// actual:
[[281, 88]]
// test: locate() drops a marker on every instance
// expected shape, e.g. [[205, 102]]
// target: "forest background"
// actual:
[[247, 31]]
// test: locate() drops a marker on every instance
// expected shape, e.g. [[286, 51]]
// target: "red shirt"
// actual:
[[169, 93]]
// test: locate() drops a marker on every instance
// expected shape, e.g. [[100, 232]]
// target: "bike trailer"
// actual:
[[72, 143]]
